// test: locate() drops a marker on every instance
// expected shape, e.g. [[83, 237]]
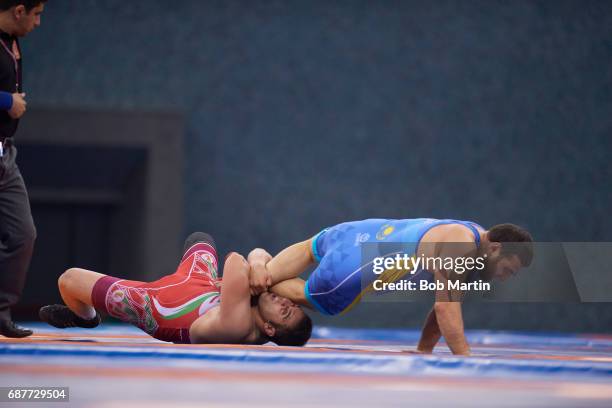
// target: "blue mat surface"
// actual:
[[358, 367]]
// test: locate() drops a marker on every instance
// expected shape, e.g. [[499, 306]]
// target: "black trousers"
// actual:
[[17, 231]]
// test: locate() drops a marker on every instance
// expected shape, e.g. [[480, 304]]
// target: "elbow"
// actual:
[[237, 264], [256, 251], [259, 253]]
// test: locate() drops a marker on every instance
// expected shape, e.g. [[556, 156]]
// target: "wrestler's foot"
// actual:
[[61, 316], [8, 328], [196, 237]]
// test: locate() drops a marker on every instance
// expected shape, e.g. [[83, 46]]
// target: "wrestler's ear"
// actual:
[[269, 329], [495, 248], [19, 11]]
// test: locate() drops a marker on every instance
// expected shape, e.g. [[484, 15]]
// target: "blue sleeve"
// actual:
[[6, 101]]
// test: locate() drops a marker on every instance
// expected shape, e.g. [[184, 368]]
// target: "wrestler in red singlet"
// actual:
[[165, 308]]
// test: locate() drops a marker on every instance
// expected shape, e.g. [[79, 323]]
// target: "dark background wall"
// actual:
[[300, 115]]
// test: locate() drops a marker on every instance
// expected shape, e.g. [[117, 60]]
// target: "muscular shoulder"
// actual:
[[456, 233], [214, 328], [449, 240]]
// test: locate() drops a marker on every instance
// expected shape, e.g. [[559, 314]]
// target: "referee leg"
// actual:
[[17, 235]]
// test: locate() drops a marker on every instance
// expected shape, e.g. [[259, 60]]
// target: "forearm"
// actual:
[[430, 334], [292, 289], [450, 322], [290, 262]]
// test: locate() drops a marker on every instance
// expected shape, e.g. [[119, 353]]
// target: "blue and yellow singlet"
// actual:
[[338, 281]]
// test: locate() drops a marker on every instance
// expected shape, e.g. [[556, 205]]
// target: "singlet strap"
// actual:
[[475, 231]]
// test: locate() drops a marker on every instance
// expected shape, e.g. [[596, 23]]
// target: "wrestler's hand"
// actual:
[[19, 106], [414, 352], [259, 278]]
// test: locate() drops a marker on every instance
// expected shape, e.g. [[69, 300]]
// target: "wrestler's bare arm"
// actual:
[[292, 289], [291, 262], [232, 321], [430, 334], [446, 318], [288, 264], [259, 277]]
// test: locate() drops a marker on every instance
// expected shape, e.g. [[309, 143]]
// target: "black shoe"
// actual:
[[61, 316], [8, 328]]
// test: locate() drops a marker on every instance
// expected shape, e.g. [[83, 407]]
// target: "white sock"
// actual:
[[88, 313]]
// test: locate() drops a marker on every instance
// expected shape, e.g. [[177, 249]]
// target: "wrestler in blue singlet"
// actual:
[[337, 283]]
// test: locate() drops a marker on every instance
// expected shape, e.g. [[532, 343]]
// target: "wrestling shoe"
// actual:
[[61, 316], [8, 328], [196, 237]]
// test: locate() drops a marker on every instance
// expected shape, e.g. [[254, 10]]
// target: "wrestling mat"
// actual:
[[120, 366]]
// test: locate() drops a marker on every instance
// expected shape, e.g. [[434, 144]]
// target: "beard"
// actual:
[[489, 269]]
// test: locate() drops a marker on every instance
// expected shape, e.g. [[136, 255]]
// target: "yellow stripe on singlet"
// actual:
[[388, 276]]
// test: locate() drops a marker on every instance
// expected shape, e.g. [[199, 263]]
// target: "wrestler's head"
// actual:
[[285, 323], [509, 249]]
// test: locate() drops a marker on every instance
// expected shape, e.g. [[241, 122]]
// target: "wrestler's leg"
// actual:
[[207, 262], [76, 286]]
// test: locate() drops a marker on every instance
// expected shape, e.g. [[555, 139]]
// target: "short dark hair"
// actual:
[[296, 336], [515, 241], [29, 4]]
